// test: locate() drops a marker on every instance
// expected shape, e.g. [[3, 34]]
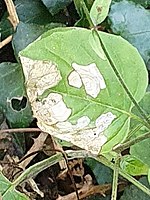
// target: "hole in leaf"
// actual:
[[19, 104]]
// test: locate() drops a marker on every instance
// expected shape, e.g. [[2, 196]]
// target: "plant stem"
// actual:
[[119, 148], [115, 178], [37, 168], [40, 166], [145, 118], [109, 164]]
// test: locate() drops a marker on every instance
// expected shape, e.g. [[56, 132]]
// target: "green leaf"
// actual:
[[7, 191], [132, 22], [133, 166], [32, 12], [54, 6], [99, 11], [133, 193], [13, 99], [66, 51]]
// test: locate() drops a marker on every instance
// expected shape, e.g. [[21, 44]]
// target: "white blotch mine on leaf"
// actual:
[[81, 134], [91, 78], [103, 121], [74, 79], [39, 76], [51, 109]]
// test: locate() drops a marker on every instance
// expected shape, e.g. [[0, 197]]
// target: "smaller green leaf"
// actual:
[[99, 11], [7, 191], [133, 166], [14, 194], [4, 183], [96, 46]]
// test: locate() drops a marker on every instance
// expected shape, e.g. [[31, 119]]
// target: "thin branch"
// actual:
[[20, 130], [13, 17], [5, 41], [115, 178]]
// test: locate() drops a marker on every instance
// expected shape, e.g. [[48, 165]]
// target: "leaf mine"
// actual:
[[40, 75], [74, 79], [51, 109], [103, 121], [81, 134], [92, 79]]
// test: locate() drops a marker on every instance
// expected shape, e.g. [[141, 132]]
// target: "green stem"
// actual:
[[119, 148], [115, 178], [107, 163], [134, 130], [86, 11], [114, 67], [40, 166], [37, 168]]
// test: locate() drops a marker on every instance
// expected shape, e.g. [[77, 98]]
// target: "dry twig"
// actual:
[[13, 18]]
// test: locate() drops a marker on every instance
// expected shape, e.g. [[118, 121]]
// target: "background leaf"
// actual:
[[12, 90], [102, 173], [32, 12], [144, 3], [132, 22], [133, 193], [54, 6], [27, 33]]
